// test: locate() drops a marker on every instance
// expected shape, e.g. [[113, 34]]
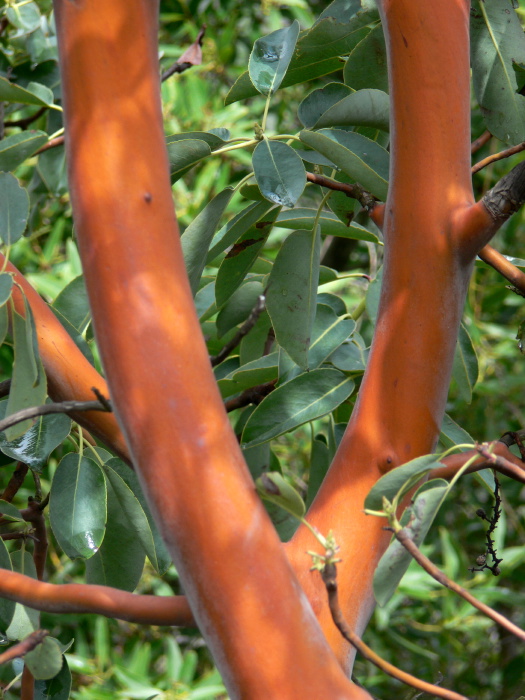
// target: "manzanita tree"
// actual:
[[391, 160]]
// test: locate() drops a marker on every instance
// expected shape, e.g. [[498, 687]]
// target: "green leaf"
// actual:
[[259, 371], [319, 101], [7, 607], [351, 356], [496, 42], [35, 445], [77, 506], [33, 94], [271, 57], [241, 257], [52, 168], [239, 306], [45, 660], [28, 385], [73, 304], [292, 291], [329, 331], [399, 481], [14, 209], [396, 559], [6, 286], [137, 521], [236, 227], [373, 294], [302, 399], [273, 487], [161, 557], [453, 434], [213, 140], [197, 237], [16, 148], [120, 560], [279, 172], [4, 323], [185, 153], [363, 108], [465, 368], [319, 464], [24, 16], [10, 511], [303, 218], [366, 67], [357, 156], [57, 688]]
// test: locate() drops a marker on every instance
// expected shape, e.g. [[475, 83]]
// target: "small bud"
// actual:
[[480, 561], [481, 513], [496, 571]]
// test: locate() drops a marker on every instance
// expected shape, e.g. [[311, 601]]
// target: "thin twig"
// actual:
[[50, 144], [23, 647], [480, 141], [500, 263], [15, 482], [329, 574], [403, 537], [62, 407], [498, 156], [23, 123], [355, 191], [253, 395], [243, 330], [493, 522]]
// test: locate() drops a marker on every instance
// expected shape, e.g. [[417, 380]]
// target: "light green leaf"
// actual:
[[329, 331], [366, 67], [302, 399], [24, 16], [319, 101], [362, 108], [292, 291], [16, 148], [273, 487], [33, 94], [465, 368], [77, 506], [45, 660], [73, 304], [271, 57], [14, 209], [396, 559], [197, 237], [331, 225], [497, 41], [364, 160], [279, 172], [184, 153]]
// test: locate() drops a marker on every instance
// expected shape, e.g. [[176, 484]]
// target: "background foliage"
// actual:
[[423, 628]]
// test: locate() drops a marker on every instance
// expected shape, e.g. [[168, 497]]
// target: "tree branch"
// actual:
[[252, 395], [502, 460], [329, 574], [403, 538], [23, 647], [500, 263], [507, 195], [480, 141], [243, 330], [497, 156], [46, 409]]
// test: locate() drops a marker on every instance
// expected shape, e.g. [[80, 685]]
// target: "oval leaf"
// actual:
[[77, 506], [14, 209], [16, 148], [279, 172], [465, 368], [319, 101], [292, 292], [45, 661], [302, 399], [271, 57], [363, 108], [366, 67]]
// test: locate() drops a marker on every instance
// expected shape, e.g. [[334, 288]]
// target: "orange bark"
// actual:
[[226, 551]]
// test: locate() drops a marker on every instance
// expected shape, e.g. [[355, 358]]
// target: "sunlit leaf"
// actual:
[[271, 57], [273, 487]]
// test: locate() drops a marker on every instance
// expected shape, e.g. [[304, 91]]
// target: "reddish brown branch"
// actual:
[[253, 395], [53, 143], [502, 460], [24, 123], [329, 574], [191, 57], [243, 330], [62, 407], [15, 482], [500, 263], [498, 156], [480, 141], [404, 538], [23, 647]]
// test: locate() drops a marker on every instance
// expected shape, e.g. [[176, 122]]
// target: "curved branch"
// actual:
[[497, 156], [500, 263], [69, 407], [501, 459], [102, 600]]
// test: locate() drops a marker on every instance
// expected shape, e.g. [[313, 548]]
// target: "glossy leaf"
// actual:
[[302, 217], [57, 688], [357, 156], [77, 507], [292, 291], [236, 227], [273, 487], [28, 385], [32, 94], [35, 445], [16, 148], [239, 306], [14, 209], [366, 67], [197, 237], [184, 153], [271, 57], [465, 368], [302, 399], [400, 480], [120, 560], [241, 257], [45, 660], [396, 559], [496, 42], [319, 101], [363, 108], [279, 172], [7, 607], [161, 560]]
